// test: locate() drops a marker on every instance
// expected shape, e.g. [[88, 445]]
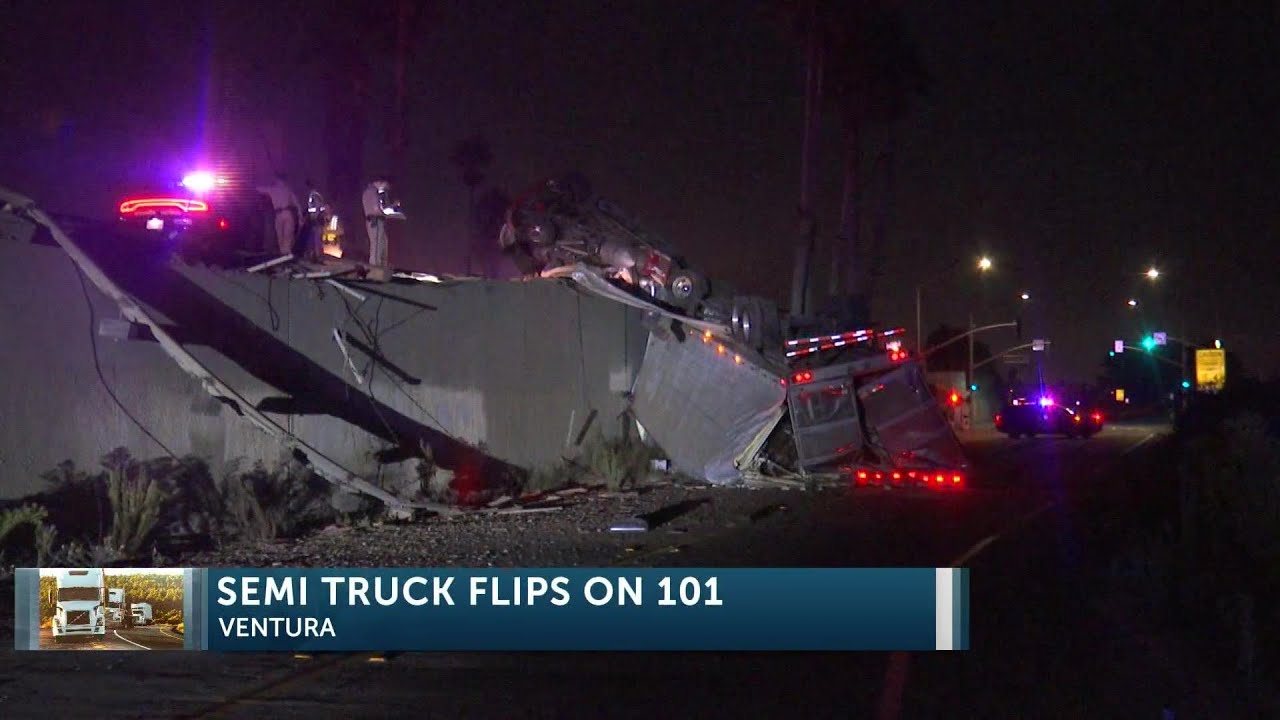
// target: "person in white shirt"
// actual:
[[285, 204], [378, 208]]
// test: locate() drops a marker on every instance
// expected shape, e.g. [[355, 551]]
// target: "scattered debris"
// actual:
[[630, 525]]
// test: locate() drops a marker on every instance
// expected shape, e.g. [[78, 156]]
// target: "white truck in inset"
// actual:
[[141, 613], [80, 609], [115, 605]]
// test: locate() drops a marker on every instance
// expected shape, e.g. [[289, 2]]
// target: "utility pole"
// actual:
[[968, 375]]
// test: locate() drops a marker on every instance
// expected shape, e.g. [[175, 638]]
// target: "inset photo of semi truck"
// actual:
[[111, 609]]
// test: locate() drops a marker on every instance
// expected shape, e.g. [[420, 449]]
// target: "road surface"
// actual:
[[1041, 647], [118, 638]]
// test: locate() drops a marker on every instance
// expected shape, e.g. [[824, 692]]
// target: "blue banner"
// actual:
[[434, 609]]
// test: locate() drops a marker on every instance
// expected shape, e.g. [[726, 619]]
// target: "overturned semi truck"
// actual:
[[727, 388]]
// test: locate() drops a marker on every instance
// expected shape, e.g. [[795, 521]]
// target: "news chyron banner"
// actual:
[[543, 609]]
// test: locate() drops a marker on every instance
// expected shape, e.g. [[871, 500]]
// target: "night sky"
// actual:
[[1075, 143]]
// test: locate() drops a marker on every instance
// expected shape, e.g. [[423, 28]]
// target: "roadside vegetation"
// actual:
[[1200, 548], [132, 512]]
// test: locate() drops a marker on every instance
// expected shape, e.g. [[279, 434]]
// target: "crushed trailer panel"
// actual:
[[708, 405]]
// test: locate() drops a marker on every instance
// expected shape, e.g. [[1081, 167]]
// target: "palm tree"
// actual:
[[472, 156], [861, 67], [875, 72]]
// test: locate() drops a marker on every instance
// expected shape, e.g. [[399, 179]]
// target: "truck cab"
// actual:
[[141, 613], [80, 610]]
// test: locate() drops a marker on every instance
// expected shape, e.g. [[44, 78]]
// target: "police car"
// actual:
[[202, 211], [1045, 416]]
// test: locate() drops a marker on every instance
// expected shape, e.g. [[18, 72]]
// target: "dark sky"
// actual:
[[1076, 143]]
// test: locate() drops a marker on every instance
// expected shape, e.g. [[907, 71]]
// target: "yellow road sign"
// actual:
[[1119, 394], [1211, 370]]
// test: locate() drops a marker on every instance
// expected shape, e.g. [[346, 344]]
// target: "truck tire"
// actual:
[[687, 288]]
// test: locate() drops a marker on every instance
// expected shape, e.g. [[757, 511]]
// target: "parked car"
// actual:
[[1026, 417]]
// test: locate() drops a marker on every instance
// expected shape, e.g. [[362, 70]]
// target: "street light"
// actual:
[[1152, 274], [1133, 303], [1026, 296], [984, 264]]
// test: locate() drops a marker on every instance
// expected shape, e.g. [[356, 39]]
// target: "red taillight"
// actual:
[[939, 479], [956, 479], [223, 224], [802, 377], [998, 419], [1097, 417], [128, 207], [897, 477], [954, 398]]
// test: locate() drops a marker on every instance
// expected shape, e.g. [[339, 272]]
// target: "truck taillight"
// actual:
[[802, 377]]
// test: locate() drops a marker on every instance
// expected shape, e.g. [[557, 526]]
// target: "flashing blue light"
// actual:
[[199, 181], [1046, 401]]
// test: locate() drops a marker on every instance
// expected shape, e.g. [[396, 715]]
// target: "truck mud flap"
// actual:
[[708, 408]]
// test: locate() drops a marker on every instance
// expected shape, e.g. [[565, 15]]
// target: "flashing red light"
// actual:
[[954, 398], [802, 377], [133, 205]]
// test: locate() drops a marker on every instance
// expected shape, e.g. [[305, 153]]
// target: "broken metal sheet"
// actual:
[[906, 421], [709, 412]]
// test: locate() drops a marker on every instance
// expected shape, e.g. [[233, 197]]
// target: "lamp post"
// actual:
[[984, 264]]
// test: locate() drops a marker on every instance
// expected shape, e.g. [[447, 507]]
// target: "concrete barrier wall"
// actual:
[[502, 366]]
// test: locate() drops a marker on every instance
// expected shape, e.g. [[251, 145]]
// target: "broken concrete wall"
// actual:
[[512, 367], [500, 365], [54, 407]]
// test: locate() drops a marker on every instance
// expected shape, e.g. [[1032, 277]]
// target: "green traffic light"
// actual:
[[1186, 384], [1148, 342], [1112, 353], [973, 387]]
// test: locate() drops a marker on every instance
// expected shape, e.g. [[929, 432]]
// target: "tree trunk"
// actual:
[[849, 277], [876, 257], [800, 290]]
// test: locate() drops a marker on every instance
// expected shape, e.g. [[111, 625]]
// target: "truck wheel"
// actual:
[[687, 288]]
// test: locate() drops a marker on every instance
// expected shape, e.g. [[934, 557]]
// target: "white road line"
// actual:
[[895, 682], [1138, 444], [117, 633]]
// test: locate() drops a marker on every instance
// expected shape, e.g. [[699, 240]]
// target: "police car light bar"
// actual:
[[128, 207]]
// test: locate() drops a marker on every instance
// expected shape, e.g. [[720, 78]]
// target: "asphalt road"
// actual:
[[1040, 646], [117, 638]]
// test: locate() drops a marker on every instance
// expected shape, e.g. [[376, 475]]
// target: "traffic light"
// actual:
[[1148, 343], [1111, 353], [973, 387], [954, 398], [1186, 384]]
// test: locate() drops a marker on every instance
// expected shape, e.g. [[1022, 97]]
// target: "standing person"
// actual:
[[285, 205], [378, 208], [313, 223]]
